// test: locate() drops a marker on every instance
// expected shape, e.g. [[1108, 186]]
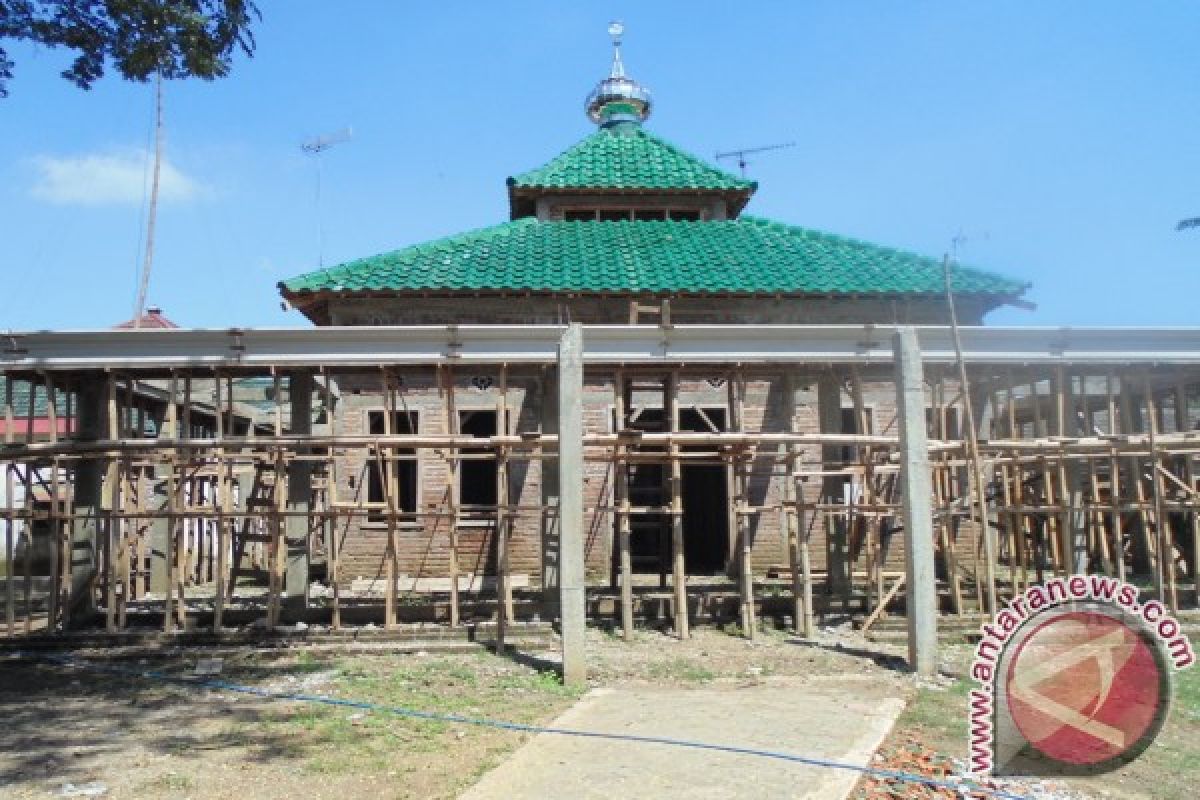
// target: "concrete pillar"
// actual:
[[572, 600], [86, 528], [299, 499], [920, 584], [829, 414]]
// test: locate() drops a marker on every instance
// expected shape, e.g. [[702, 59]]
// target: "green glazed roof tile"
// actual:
[[743, 256], [627, 157]]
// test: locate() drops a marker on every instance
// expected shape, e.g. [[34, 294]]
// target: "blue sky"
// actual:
[[1060, 138]]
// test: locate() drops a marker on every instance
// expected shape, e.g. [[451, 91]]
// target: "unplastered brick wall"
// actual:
[[424, 547]]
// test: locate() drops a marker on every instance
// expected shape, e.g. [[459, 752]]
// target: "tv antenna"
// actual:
[[740, 155], [139, 306], [316, 148]]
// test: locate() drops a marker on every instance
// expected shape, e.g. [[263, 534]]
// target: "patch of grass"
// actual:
[[681, 669], [940, 715], [343, 741], [306, 663], [174, 782], [1187, 692]]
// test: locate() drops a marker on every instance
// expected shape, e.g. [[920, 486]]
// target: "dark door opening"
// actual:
[[705, 493]]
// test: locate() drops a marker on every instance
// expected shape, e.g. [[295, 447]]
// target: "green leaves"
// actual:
[[137, 38]]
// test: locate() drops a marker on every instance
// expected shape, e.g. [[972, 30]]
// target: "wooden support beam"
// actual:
[[333, 539], [391, 490], [504, 606], [745, 561], [453, 490], [112, 530], [675, 483], [794, 528], [879, 611], [1165, 574], [621, 500]]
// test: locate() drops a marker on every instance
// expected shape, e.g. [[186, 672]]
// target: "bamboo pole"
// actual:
[[388, 478], [621, 496], [737, 409], [331, 522], [675, 482], [10, 559], [1182, 425], [989, 548], [112, 529], [453, 493], [801, 610], [171, 429], [224, 500], [504, 607], [275, 524], [1165, 575]]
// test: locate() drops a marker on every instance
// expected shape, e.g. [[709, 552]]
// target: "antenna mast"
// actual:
[[315, 147], [740, 155], [152, 215]]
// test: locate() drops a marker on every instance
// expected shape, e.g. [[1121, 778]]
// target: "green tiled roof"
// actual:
[[627, 157], [743, 256]]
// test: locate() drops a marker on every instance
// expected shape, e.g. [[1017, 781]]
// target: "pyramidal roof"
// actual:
[[744, 256], [736, 255], [628, 157]]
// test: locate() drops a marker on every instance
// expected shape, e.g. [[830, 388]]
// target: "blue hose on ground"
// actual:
[[961, 787]]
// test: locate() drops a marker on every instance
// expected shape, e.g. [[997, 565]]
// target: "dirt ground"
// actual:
[[66, 732], [65, 727]]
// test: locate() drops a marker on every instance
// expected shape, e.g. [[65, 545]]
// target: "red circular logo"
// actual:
[[1087, 689]]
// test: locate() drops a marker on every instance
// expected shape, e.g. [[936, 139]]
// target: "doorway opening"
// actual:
[[704, 493]]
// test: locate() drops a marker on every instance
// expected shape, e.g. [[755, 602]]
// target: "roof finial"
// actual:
[[616, 29], [618, 101]]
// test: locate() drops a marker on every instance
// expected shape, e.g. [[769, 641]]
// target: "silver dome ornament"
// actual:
[[617, 98]]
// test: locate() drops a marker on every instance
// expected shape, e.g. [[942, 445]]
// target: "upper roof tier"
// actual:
[[625, 159]]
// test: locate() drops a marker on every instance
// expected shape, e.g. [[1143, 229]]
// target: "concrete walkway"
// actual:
[[833, 718]]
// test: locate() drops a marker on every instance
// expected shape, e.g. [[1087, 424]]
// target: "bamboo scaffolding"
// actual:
[[1055, 491]]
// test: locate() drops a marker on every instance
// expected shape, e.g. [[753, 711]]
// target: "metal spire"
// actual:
[[618, 99], [616, 29]]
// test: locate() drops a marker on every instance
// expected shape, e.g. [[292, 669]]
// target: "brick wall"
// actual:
[[424, 547]]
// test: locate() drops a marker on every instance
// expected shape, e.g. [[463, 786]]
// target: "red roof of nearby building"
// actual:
[[153, 318]]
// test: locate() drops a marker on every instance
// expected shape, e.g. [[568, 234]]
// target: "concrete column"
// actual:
[[571, 594], [920, 584], [829, 414], [299, 498], [86, 529]]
